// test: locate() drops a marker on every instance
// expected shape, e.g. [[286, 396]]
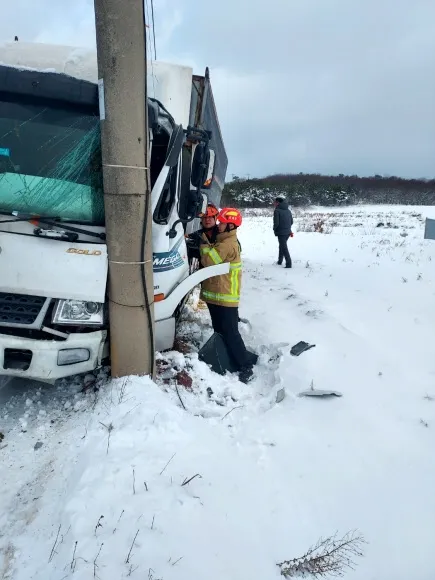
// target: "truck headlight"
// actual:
[[78, 312]]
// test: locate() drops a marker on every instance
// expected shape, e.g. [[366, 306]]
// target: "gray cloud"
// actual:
[[337, 86]]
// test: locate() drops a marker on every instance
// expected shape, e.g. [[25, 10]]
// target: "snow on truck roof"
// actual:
[[170, 83]]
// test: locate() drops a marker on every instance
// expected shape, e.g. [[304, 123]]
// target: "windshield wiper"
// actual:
[[59, 223], [53, 221], [56, 235]]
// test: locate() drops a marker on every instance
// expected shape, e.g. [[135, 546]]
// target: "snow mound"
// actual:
[[202, 477]]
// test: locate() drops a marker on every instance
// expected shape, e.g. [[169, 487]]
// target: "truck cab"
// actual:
[[53, 255]]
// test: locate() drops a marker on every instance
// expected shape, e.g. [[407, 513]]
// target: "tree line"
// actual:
[[305, 189]]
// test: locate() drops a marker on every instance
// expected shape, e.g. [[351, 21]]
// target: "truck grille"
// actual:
[[19, 308]]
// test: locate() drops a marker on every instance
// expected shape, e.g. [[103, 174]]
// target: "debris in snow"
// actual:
[[184, 379], [182, 346], [301, 347], [320, 393], [89, 383], [312, 392], [280, 396]]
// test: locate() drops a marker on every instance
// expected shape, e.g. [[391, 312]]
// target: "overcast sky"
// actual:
[[328, 86]]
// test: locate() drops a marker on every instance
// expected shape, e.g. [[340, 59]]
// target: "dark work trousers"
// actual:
[[283, 251], [225, 321]]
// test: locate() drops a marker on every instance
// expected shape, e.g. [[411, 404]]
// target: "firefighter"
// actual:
[[222, 293], [209, 228]]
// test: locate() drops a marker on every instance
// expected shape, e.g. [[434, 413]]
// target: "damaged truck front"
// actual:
[[53, 255]]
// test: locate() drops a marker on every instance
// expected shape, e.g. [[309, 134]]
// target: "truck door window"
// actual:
[[158, 154], [167, 197]]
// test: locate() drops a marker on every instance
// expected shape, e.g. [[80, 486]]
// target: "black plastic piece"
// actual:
[[301, 347], [215, 354]]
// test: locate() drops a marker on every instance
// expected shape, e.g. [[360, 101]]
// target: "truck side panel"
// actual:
[[203, 115]]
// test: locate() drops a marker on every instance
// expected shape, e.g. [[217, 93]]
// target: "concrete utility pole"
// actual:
[[121, 51]]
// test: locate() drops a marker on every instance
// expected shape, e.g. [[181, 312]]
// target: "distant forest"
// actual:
[[328, 190]]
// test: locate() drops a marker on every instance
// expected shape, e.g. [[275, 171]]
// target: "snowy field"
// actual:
[[138, 480]]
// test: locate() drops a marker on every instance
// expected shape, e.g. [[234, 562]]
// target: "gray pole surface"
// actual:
[[121, 51]]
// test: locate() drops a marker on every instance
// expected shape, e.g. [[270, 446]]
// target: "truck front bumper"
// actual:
[[49, 360]]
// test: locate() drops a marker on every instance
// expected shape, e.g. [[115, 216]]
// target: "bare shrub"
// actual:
[[329, 557], [315, 222]]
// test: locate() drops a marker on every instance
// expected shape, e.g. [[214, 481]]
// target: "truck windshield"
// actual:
[[50, 161]]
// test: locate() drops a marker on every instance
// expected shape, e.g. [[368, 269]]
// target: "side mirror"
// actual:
[[210, 170], [203, 166], [199, 165]]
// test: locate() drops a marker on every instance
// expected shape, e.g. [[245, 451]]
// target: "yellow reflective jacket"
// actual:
[[222, 290]]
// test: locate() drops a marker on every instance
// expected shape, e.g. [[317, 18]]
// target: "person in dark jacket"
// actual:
[[282, 228]]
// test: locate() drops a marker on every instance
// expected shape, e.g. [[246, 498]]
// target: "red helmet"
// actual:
[[230, 215], [211, 211]]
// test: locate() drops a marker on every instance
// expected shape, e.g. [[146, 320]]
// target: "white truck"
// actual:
[[53, 255]]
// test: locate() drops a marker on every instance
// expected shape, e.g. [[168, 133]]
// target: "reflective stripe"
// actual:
[[219, 297], [234, 296], [234, 281], [213, 254]]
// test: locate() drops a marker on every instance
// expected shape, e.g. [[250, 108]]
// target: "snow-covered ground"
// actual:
[[124, 482]]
